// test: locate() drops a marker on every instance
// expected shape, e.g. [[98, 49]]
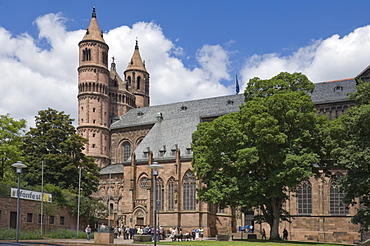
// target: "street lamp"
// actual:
[[19, 166], [155, 166]]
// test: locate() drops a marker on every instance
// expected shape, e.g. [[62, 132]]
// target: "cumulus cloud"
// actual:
[[41, 72], [323, 60]]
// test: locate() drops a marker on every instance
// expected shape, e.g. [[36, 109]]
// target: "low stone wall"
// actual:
[[142, 238], [222, 237], [103, 237]]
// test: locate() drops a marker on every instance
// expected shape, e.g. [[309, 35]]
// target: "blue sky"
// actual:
[[192, 48]]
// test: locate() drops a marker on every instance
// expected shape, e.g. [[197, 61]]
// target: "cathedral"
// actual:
[[125, 135]]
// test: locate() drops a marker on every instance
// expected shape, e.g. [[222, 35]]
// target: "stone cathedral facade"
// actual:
[[126, 135]]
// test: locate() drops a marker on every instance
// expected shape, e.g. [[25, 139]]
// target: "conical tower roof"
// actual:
[[93, 31], [136, 62]]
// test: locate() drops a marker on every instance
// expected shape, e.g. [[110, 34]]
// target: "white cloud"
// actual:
[[42, 72], [324, 60]]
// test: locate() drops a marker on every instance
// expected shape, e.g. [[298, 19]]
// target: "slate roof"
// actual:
[[112, 169], [333, 91], [179, 120], [173, 124]]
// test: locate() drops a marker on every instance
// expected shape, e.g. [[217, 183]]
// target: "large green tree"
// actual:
[[54, 142], [253, 157], [11, 132], [350, 146]]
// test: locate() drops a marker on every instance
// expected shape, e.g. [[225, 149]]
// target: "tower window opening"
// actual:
[[86, 54], [138, 83], [105, 57]]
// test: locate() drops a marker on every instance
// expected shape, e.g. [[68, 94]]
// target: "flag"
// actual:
[[237, 84]]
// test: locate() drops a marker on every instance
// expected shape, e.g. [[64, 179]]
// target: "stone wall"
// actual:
[[30, 211]]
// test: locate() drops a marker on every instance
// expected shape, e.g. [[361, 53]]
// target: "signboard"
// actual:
[[31, 195]]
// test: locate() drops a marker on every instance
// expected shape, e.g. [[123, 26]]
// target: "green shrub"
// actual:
[[63, 234], [9, 234]]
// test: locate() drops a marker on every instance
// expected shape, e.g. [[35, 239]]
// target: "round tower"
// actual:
[[137, 79], [93, 100]]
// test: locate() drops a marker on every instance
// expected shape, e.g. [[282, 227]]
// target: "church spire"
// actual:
[[93, 31], [136, 62]]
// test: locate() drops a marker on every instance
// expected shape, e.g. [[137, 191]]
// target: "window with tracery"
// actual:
[[160, 194], [304, 196], [171, 194], [144, 183], [189, 191], [337, 207], [126, 150]]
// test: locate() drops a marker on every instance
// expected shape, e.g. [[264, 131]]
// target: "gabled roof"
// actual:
[[112, 169], [333, 91], [172, 125]]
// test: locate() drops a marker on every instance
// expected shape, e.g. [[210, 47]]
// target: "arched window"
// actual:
[[304, 195], [336, 197], [128, 82], [138, 80], [105, 57], [160, 194], [126, 150], [86, 54], [171, 194], [189, 187]]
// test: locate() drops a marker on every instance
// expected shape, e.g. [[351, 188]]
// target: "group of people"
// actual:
[[128, 232], [195, 234]]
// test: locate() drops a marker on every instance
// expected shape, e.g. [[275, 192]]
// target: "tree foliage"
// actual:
[[253, 157], [54, 144], [11, 132], [351, 142]]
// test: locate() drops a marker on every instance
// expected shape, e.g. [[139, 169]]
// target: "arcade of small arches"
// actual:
[[93, 87], [121, 98]]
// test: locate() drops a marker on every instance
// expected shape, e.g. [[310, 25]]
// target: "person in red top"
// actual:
[[88, 232]]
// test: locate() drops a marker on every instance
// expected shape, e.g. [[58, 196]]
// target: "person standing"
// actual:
[[285, 234], [88, 232], [263, 234]]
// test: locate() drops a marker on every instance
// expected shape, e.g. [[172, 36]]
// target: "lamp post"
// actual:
[[19, 166], [78, 201], [155, 166]]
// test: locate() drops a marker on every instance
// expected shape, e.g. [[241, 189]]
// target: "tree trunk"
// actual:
[[274, 232]]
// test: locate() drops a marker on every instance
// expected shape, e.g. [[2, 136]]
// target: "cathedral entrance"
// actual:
[[140, 217]]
